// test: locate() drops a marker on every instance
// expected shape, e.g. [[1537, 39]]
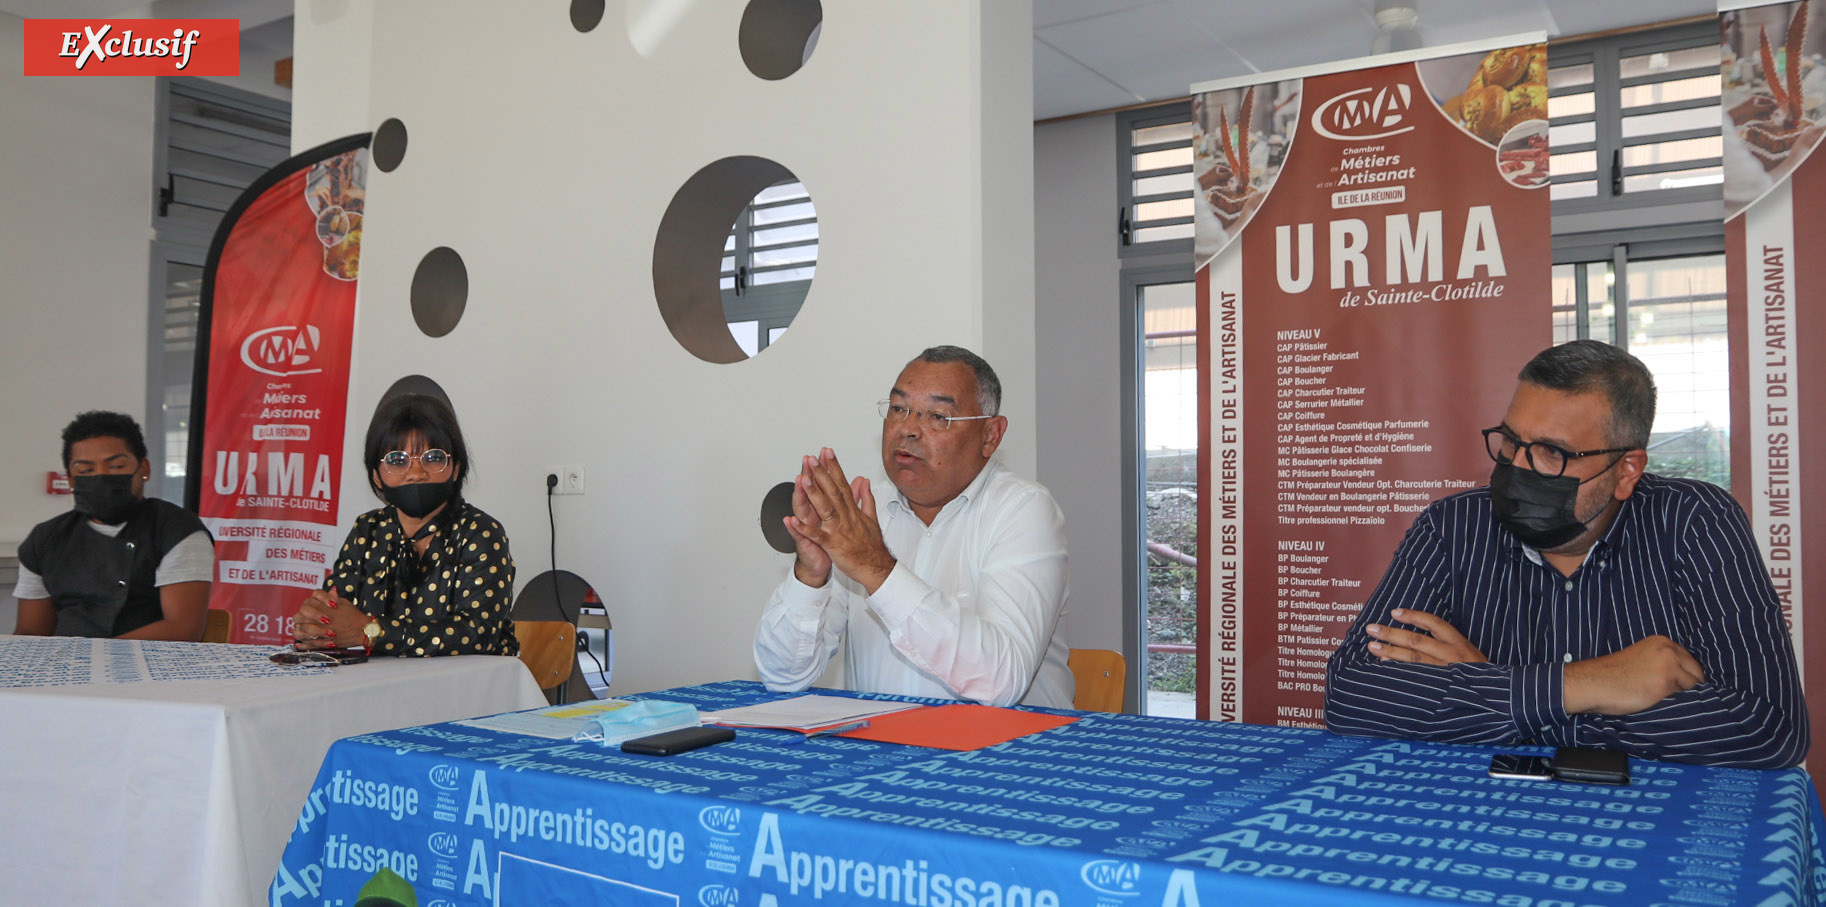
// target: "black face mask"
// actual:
[[417, 501], [1542, 511], [108, 498]]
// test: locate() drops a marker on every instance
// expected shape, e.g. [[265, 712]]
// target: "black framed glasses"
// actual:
[[896, 412], [1547, 459], [435, 461]]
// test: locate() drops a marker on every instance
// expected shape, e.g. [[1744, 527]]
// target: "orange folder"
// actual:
[[957, 727]]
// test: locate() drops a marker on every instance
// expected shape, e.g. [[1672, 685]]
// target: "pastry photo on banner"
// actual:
[[1772, 89], [1240, 138], [1500, 97]]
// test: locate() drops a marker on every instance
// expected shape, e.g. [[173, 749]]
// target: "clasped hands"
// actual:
[[1626, 681], [325, 621], [834, 524]]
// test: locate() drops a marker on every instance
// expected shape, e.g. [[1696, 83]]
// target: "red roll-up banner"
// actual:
[[272, 382], [1775, 210], [1374, 262]]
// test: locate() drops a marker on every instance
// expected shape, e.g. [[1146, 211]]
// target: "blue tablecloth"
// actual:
[[1112, 810]]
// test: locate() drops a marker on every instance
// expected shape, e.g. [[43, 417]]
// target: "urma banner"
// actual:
[[1374, 262], [271, 385]]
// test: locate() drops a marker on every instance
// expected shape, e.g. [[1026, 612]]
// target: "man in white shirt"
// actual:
[[954, 587]]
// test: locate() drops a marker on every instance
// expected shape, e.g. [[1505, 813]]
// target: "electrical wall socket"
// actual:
[[570, 479]]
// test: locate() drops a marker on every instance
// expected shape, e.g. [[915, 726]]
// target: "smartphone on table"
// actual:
[[671, 743], [347, 655], [1530, 768]]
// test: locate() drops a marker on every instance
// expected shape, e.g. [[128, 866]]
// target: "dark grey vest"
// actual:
[[104, 586]]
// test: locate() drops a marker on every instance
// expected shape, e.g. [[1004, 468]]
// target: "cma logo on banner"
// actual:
[[1115, 877], [720, 820], [132, 47], [1365, 113], [444, 776], [281, 351]]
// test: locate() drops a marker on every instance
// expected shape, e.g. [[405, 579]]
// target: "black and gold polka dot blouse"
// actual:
[[455, 599]]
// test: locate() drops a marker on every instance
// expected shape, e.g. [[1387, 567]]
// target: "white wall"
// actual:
[[1078, 332], [76, 192], [546, 159]]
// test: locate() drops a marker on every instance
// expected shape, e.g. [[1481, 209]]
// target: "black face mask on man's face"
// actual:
[[1540, 510], [108, 498]]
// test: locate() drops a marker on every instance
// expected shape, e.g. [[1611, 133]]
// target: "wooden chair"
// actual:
[[549, 650], [216, 625], [1101, 676]]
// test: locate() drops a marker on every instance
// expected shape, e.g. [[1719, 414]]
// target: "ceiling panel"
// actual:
[[1147, 50], [1157, 50], [1061, 84], [1053, 12]]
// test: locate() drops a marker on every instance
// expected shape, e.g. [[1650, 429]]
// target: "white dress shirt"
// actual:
[[970, 611]]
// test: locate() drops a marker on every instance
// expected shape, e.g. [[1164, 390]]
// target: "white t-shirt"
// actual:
[[970, 611]]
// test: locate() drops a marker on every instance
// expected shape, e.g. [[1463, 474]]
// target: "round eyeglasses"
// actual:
[[396, 462], [895, 412], [1547, 459]]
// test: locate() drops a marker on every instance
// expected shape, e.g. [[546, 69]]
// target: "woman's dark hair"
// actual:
[[398, 418], [101, 424]]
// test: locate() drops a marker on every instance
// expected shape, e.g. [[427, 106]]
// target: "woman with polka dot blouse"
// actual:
[[428, 574]]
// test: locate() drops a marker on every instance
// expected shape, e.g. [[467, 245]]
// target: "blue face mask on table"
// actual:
[[638, 719]]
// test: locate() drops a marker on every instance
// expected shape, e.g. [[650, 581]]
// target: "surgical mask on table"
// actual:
[[638, 719]]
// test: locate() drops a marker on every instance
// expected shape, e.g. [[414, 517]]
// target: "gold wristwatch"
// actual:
[[372, 632]]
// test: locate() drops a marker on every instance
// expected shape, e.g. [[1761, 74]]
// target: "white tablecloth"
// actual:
[[185, 791]]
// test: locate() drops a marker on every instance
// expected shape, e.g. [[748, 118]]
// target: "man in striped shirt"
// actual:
[[1577, 600]]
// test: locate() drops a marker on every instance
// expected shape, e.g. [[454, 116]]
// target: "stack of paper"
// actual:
[[805, 713]]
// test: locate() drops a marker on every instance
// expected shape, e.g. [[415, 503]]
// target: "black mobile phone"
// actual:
[[1590, 766], [351, 655], [683, 740], [1509, 765]]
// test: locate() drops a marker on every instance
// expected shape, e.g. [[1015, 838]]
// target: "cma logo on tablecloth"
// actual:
[[1365, 113], [444, 777], [442, 844], [720, 820], [281, 351], [717, 896], [1115, 877]]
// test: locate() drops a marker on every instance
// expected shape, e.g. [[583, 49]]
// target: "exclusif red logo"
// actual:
[[132, 47]]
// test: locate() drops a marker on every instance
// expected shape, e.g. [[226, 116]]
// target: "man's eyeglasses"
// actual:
[[1547, 459], [396, 462], [896, 413]]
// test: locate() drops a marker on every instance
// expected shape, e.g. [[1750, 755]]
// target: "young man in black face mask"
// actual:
[[1577, 600], [118, 565]]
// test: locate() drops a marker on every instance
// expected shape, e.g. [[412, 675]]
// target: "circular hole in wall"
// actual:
[[566, 597], [440, 291], [734, 258], [586, 14], [777, 37], [776, 506], [389, 145]]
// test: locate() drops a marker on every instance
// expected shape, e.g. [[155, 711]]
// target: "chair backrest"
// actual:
[[216, 625], [1101, 676], [549, 650]]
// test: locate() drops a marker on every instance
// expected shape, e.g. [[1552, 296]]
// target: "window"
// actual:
[[1638, 245], [1169, 454], [768, 263], [214, 141], [1155, 169], [1635, 119]]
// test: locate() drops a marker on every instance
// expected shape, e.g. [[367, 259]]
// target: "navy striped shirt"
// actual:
[[1678, 561]]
